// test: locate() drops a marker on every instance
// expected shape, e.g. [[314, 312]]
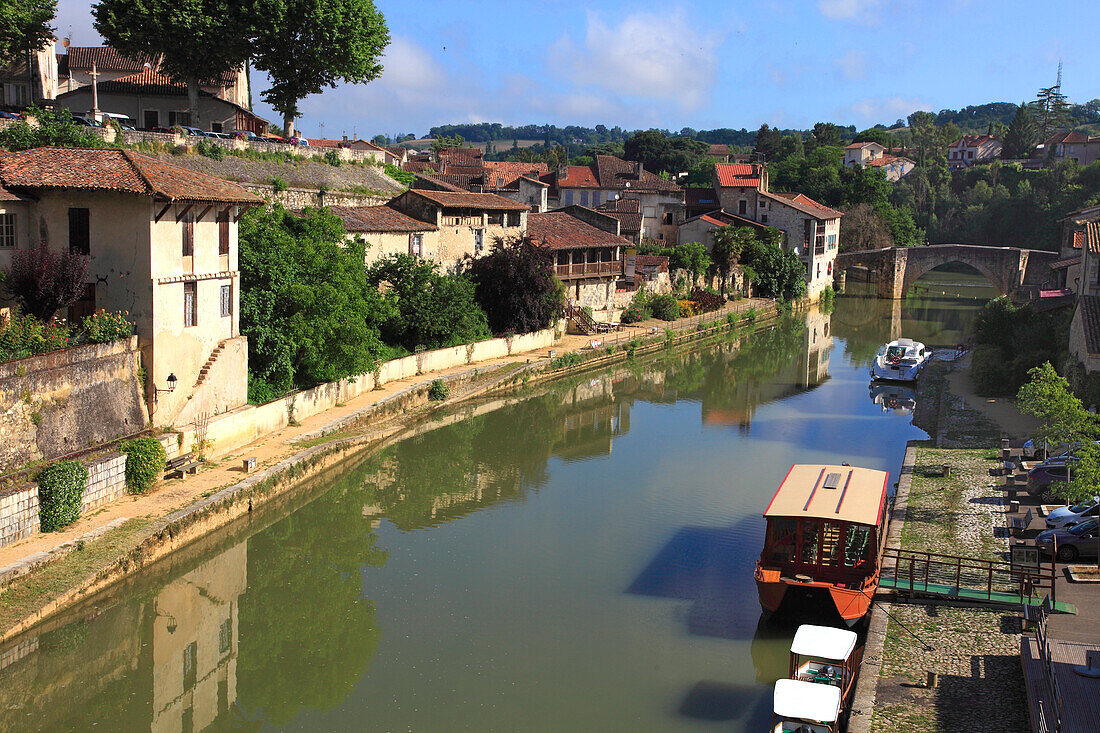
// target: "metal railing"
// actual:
[[588, 268], [917, 572]]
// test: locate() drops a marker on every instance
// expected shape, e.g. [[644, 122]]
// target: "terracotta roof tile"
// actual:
[[658, 261], [443, 182], [560, 230], [719, 150], [1090, 319], [501, 172], [615, 173], [379, 219], [738, 174], [453, 199], [621, 205], [723, 218], [1078, 240], [579, 176], [973, 141], [106, 58], [419, 166], [1092, 236], [805, 204], [115, 170], [887, 159]]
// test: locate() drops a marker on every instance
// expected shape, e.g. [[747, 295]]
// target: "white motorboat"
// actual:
[[902, 361], [823, 667]]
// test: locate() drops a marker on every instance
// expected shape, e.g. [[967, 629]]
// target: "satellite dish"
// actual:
[[67, 39]]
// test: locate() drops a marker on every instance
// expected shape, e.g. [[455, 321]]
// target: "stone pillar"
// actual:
[[891, 274]]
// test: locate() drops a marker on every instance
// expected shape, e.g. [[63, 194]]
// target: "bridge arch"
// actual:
[[917, 268]]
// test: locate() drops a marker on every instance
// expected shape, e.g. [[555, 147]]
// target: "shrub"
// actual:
[[750, 315], [634, 313], [60, 494], [632, 347], [333, 158], [26, 336], [405, 178], [566, 360], [439, 391], [278, 184], [706, 300], [687, 308], [145, 461], [102, 327], [665, 307], [211, 150]]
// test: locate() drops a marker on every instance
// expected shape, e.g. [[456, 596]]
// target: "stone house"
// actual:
[[379, 155], [629, 214], [862, 153], [163, 247], [18, 89], [1083, 227], [1076, 146], [736, 186], [1066, 270], [895, 167], [151, 99], [971, 149], [662, 201], [701, 228], [439, 225], [589, 254]]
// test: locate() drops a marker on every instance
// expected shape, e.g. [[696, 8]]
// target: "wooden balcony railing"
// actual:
[[585, 269]]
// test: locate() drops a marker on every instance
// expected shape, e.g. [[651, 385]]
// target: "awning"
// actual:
[[823, 642], [809, 701]]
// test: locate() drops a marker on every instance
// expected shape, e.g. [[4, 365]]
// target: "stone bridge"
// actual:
[[1010, 270]]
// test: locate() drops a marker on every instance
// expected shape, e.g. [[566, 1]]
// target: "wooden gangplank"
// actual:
[[968, 579]]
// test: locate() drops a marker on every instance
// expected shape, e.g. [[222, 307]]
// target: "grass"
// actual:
[[31, 592]]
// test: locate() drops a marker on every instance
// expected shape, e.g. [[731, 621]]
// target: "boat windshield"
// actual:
[[895, 352]]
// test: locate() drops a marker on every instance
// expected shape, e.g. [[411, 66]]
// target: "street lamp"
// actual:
[[170, 388]]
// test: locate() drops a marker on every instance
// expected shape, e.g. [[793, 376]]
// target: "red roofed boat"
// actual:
[[825, 538]]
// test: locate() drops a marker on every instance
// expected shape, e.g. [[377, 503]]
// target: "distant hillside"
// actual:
[[297, 173]]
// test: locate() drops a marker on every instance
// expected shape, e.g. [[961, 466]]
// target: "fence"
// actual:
[[974, 579]]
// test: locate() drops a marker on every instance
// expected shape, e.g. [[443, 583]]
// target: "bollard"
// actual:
[[946, 470], [1013, 506], [1010, 480], [248, 464], [932, 679]]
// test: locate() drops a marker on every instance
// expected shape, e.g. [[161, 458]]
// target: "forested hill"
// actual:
[[972, 119]]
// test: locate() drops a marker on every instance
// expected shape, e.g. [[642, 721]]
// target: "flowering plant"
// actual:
[[102, 327]]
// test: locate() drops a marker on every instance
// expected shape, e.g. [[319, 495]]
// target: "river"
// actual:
[[578, 559]]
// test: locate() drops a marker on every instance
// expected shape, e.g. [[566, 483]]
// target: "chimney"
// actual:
[[638, 170]]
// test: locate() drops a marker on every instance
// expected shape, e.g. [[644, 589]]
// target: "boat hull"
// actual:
[[891, 373], [851, 604]]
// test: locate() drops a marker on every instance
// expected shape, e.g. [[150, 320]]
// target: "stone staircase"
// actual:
[[210, 363]]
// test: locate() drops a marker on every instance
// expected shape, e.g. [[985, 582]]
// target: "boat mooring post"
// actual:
[[932, 679]]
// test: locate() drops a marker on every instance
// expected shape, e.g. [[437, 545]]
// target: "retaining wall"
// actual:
[[299, 198], [239, 427]]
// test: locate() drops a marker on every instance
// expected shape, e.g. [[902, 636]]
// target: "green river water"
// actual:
[[574, 558]]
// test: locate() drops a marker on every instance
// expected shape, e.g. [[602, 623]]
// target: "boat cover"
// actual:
[[823, 642], [806, 701]]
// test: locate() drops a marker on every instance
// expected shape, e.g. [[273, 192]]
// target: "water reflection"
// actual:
[[896, 399]]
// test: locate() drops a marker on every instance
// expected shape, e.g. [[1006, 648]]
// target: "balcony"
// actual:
[[588, 269]]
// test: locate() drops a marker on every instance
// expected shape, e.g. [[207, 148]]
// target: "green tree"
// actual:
[[198, 40], [516, 286], [649, 147], [922, 126], [876, 135], [308, 45], [729, 243], [1052, 110], [775, 272], [690, 256], [427, 309], [1020, 138], [55, 129], [305, 305], [25, 28], [825, 133], [1047, 396], [768, 143]]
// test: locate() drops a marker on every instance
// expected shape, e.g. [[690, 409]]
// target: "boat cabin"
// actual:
[[824, 655], [805, 707], [826, 523]]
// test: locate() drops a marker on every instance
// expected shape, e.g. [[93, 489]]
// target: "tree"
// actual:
[[516, 286], [690, 256], [55, 129], [923, 128], [25, 28], [876, 135], [862, 229], [729, 243], [1020, 139], [44, 281], [305, 305], [649, 147], [426, 309], [1052, 110], [826, 133], [775, 272], [768, 143], [307, 45], [198, 40], [1047, 396]]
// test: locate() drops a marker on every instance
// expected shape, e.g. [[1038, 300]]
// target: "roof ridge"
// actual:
[[128, 155]]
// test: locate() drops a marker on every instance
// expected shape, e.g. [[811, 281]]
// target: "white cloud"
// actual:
[[844, 9], [883, 109], [852, 65], [650, 55]]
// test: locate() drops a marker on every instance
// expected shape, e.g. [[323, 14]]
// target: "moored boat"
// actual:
[[826, 532], [901, 360], [805, 707], [820, 656]]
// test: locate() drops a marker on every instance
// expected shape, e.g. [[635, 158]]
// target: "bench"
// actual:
[[1020, 524], [180, 465]]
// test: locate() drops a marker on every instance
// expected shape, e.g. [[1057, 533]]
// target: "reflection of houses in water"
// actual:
[[804, 367], [592, 418], [195, 644]]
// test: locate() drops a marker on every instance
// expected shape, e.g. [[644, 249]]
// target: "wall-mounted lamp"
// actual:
[[170, 388]]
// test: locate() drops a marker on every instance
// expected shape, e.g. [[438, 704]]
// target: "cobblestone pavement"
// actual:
[[975, 651]]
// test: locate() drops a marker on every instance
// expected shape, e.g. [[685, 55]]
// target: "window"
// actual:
[[188, 234], [190, 304], [225, 636], [227, 300], [855, 549], [179, 118], [151, 118], [215, 127], [416, 244], [667, 218], [513, 218], [782, 534], [479, 240], [79, 238], [808, 550], [190, 668], [16, 95], [223, 233], [763, 218], [969, 153], [7, 230], [742, 206], [595, 199], [568, 198], [818, 269], [763, 204]]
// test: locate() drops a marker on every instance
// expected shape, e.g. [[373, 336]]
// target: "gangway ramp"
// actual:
[[970, 580]]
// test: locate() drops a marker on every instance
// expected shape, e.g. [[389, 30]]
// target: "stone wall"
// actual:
[[64, 401], [106, 481], [300, 198], [18, 513]]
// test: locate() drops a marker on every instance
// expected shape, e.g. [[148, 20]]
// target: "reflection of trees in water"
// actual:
[[306, 633]]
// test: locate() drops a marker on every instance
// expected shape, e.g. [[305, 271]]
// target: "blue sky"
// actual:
[[643, 64]]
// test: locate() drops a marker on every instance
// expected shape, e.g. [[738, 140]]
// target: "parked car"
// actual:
[[82, 122], [221, 135], [1068, 544], [1067, 516], [194, 131], [251, 136], [1053, 469], [10, 115]]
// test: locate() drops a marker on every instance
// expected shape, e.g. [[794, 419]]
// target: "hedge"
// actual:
[[145, 462], [60, 494]]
